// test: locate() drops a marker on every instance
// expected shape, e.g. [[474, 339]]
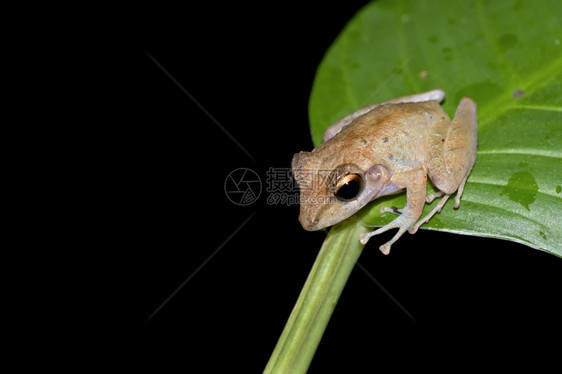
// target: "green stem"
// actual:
[[304, 329]]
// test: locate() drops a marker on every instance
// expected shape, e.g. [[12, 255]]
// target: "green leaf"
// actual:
[[507, 56]]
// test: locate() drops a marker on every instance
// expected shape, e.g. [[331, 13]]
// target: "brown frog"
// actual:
[[382, 149]]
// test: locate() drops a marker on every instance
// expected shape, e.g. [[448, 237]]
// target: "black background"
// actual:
[[252, 68]]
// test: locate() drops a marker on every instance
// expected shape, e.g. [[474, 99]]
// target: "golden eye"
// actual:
[[349, 187]]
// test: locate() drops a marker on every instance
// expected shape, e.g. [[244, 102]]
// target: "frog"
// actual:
[[382, 149]]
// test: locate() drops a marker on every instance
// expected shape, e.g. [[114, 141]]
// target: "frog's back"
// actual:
[[392, 121], [397, 135]]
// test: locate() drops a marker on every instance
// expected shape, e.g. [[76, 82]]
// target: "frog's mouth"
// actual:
[[318, 216], [315, 224], [309, 224], [313, 215], [309, 215]]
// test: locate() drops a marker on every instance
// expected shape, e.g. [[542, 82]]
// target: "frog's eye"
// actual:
[[349, 187]]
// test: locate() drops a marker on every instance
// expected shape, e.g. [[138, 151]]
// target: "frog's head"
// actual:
[[332, 189]]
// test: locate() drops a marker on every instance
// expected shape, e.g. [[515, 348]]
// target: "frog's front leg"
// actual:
[[415, 183]]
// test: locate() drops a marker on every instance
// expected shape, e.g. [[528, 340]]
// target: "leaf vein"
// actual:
[[525, 152], [539, 107], [490, 183]]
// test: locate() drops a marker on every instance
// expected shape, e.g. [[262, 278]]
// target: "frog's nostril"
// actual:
[[309, 223]]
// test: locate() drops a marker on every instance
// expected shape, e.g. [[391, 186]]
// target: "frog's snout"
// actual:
[[309, 222]]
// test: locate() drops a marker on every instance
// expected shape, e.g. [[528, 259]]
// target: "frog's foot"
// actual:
[[392, 209], [435, 210], [401, 223], [415, 183], [385, 209]]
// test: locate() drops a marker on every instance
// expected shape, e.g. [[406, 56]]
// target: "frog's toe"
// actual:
[[392, 209], [429, 198], [457, 202], [364, 238], [385, 248]]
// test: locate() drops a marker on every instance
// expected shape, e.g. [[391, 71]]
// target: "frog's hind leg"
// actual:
[[450, 166]]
